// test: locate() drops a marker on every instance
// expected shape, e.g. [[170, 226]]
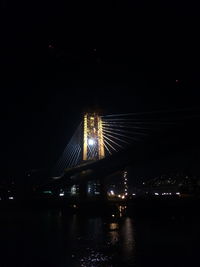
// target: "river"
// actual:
[[57, 237]]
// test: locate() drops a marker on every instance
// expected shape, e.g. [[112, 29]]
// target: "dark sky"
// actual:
[[59, 57]]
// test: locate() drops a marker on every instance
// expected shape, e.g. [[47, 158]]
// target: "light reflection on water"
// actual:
[[113, 235], [56, 238], [95, 259], [128, 242], [104, 241]]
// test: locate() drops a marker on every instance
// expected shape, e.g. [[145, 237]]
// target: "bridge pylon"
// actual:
[[93, 143]]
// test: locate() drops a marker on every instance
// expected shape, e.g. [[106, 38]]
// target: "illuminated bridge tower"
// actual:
[[93, 149], [93, 143]]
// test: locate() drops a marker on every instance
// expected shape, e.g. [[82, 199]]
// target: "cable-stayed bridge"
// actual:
[[102, 145], [97, 137]]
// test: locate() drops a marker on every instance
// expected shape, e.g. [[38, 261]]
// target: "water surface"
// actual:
[[56, 237]]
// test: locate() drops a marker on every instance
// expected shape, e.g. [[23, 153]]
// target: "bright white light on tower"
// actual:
[[91, 142]]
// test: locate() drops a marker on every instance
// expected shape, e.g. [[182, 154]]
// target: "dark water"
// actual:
[[54, 237]]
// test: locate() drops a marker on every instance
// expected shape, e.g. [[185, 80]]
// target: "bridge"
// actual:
[[103, 145]]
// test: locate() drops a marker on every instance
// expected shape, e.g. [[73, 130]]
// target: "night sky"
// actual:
[[59, 58]]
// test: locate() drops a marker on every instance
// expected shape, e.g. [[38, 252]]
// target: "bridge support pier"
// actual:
[[83, 191], [103, 190], [84, 196]]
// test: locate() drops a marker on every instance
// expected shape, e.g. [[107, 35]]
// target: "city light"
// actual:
[[156, 194], [125, 182], [178, 193], [73, 190], [47, 192], [61, 194], [11, 198]]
